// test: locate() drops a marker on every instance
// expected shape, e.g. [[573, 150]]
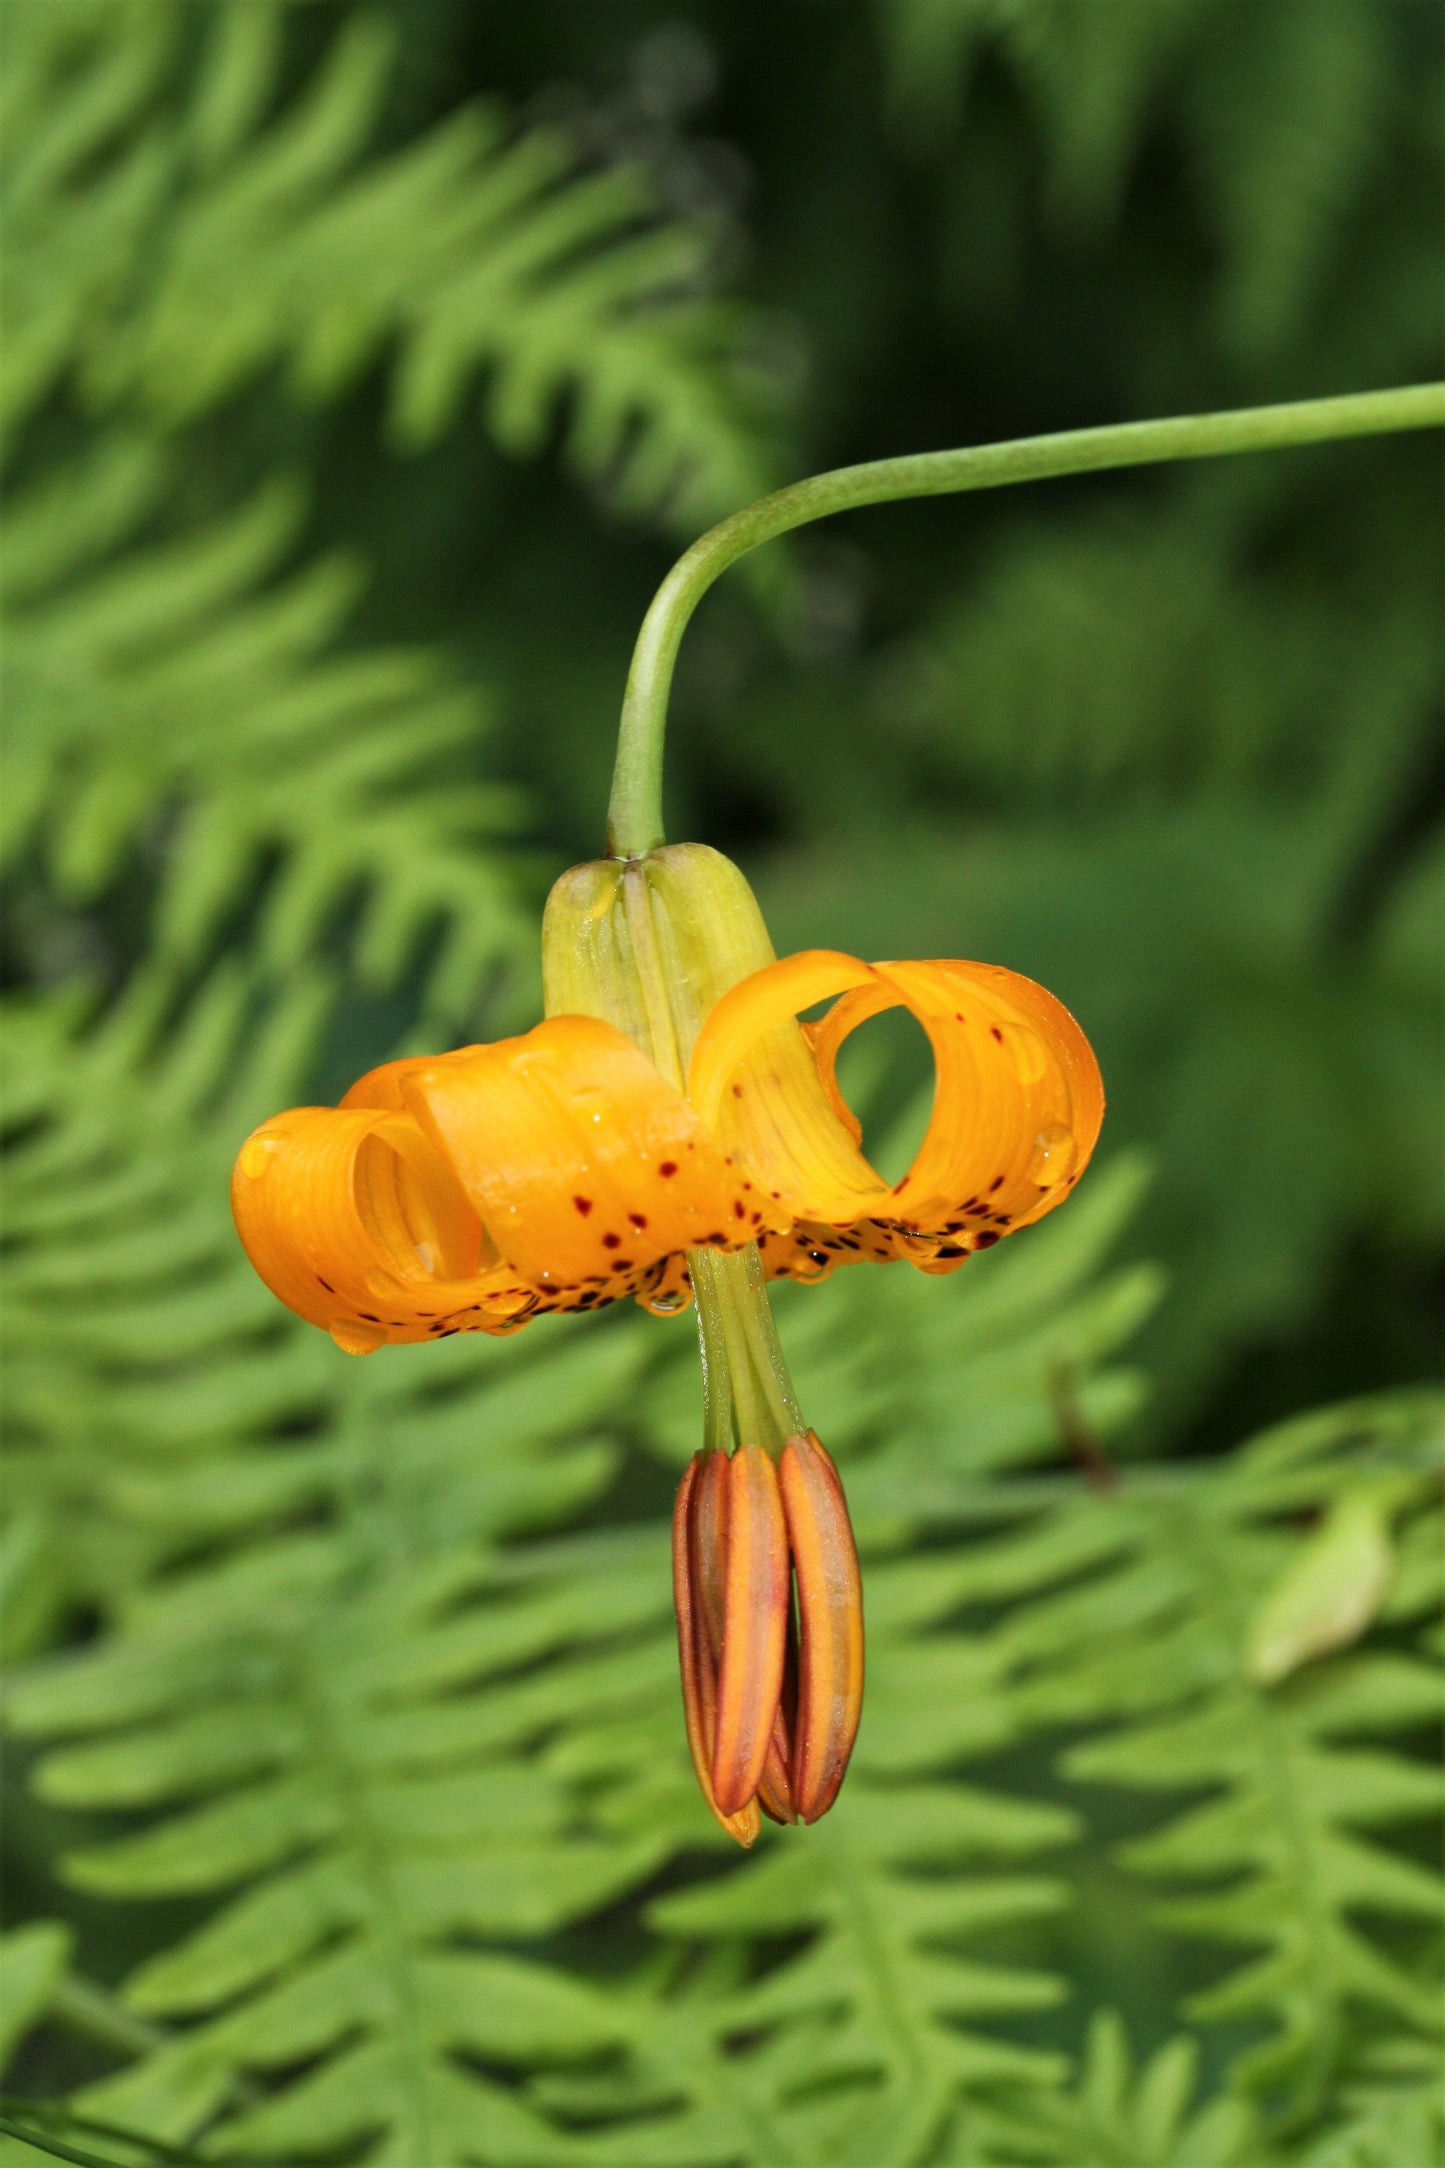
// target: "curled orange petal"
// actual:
[[354, 1220], [581, 1159], [467, 1191], [775, 1116], [1018, 1102]]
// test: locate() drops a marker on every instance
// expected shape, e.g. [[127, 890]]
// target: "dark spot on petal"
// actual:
[[327, 1285], [668, 1167], [950, 1249], [997, 1033], [740, 1210], [737, 1091], [583, 1204], [717, 1235], [624, 1264], [450, 1329], [371, 1319], [959, 1017], [611, 1242], [985, 1241], [996, 1183], [638, 1219]]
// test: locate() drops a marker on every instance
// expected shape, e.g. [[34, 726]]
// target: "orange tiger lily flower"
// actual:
[[672, 1128]]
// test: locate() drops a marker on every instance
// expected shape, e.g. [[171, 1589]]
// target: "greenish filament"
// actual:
[[634, 814], [748, 1397], [717, 1371]]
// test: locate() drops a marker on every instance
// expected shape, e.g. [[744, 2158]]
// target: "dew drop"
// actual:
[[666, 1305], [1055, 1151], [510, 1301], [257, 1156], [355, 1338]]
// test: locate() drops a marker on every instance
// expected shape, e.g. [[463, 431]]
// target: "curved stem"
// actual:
[[634, 815]]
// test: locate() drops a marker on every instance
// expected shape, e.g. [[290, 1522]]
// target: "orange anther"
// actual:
[[830, 1600], [755, 1619], [695, 1562]]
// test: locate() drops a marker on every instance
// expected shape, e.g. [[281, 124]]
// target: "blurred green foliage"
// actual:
[[363, 366]]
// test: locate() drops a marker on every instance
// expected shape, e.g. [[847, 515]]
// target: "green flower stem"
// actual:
[[634, 814]]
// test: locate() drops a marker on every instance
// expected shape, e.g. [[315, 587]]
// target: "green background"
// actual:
[[368, 366]]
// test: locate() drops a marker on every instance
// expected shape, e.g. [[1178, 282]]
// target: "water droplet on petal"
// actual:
[[915, 1243], [510, 1301], [257, 1156], [666, 1305], [1055, 1151], [355, 1338]]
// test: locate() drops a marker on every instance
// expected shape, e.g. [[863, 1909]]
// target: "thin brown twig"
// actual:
[[1077, 1432]]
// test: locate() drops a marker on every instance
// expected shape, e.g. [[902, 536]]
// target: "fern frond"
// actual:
[[410, 1774], [129, 1313], [1282, 116], [1145, 653], [224, 238], [1117, 2117], [1089, 73], [1394, 2119], [1278, 115], [198, 682], [1148, 1633], [399, 1749], [32, 1960]]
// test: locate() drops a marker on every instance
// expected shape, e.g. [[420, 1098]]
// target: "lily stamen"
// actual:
[[743, 1532]]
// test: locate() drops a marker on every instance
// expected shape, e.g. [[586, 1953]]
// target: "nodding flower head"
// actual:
[[672, 1130]]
